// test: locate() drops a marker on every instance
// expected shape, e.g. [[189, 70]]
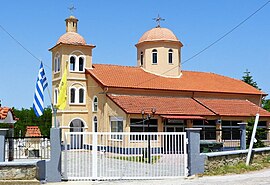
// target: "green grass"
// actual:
[[141, 159], [257, 164]]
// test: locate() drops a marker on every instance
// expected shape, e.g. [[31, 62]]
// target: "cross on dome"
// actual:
[[158, 19]]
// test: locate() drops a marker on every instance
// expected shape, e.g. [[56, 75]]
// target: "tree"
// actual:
[[27, 117], [249, 80], [266, 104], [260, 133]]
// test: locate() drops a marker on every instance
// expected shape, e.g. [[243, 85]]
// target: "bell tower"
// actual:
[[71, 51]]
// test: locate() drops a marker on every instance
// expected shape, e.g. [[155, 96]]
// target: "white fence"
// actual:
[[28, 148], [124, 155]]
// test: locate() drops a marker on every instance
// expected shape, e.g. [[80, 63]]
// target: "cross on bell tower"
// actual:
[[158, 19]]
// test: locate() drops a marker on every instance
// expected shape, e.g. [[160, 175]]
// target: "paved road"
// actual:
[[252, 178]]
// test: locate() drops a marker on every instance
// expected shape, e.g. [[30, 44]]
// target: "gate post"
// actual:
[[3, 133], [243, 143], [53, 166], [195, 160]]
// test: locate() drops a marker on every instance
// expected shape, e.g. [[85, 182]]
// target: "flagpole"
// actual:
[[54, 109]]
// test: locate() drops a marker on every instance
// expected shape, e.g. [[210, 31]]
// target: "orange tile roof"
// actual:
[[166, 106], [233, 107], [135, 77], [163, 105], [71, 38], [4, 112], [158, 34], [32, 131]]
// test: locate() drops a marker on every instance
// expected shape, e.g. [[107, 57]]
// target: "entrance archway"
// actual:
[[76, 139]]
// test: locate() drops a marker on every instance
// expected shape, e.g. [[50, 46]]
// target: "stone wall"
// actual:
[[22, 170], [219, 159]]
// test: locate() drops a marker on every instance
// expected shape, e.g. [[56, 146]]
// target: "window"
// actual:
[[81, 95], [154, 56], [72, 95], [81, 64], [95, 104], [116, 126], [55, 96], [56, 63], [140, 125], [141, 58], [230, 130], [72, 63], [95, 125], [77, 63], [208, 131], [170, 56]]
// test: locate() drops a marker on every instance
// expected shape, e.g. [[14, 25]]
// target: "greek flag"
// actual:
[[41, 85]]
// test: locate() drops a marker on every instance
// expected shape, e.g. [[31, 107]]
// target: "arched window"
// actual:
[[81, 95], [141, 58], [154, 56], [55, 65], [58, 63], [72, 95], [72, 63], [55, 96], [95, 104], [170, 56], [81, 64], [95, 124]]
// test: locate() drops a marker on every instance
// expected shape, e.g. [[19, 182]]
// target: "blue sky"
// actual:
[[116, 26]]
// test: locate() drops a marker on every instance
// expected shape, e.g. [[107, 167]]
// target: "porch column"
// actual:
[[268, 130], [189, 123], [218, 131], [242, 135]]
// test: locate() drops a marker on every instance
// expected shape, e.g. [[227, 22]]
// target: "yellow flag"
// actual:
[[62, 98]]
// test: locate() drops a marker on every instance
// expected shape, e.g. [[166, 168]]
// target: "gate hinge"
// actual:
[[187, 141]]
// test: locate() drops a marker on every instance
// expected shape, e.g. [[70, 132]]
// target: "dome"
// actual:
[[157, 34], [71, 38]]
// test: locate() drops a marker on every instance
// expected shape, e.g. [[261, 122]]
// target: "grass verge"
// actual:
[[257, 164]]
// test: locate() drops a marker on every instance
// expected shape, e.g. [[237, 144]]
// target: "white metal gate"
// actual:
[[124, 155]]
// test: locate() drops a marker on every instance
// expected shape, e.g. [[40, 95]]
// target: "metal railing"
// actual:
[[124, 155], [27, 148]]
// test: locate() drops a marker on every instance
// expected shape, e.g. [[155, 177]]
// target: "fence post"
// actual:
[[195, 160], [243, 145], [53, 166]]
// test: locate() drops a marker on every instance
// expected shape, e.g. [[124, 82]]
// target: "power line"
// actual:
[[226, 34], [213, 43], [28, 51]]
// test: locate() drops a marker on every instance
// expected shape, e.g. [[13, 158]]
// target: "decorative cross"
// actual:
[[158, 19], [71, 9]]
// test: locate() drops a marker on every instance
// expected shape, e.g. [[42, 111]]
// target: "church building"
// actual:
[[155, 95]]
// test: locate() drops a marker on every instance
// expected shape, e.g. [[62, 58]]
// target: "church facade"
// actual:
[[156, 95]]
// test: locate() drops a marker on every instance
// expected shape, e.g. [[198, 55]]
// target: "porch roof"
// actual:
[[134, 104], [186, 107], [183, 117]]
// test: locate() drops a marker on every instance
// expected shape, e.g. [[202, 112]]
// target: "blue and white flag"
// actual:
[[41, 85]]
